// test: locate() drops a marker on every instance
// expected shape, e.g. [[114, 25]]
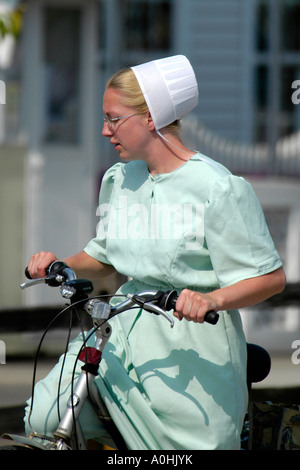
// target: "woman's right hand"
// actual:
[[39, 263]]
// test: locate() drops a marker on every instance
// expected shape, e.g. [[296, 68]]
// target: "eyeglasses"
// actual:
[[111, 121]]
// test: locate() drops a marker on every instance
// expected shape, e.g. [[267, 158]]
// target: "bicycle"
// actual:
[[68, 435]]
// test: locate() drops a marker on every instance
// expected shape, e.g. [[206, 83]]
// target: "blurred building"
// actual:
[[246, 56]]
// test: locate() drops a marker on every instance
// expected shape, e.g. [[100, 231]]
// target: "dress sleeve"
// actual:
[[96, 247], [236, 232]]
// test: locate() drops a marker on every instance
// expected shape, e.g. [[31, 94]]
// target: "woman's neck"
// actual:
[[168, 154]]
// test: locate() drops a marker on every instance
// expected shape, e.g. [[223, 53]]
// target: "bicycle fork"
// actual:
[[84, 388]]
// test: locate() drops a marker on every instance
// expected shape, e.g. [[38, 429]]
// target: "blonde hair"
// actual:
[[126, 83]]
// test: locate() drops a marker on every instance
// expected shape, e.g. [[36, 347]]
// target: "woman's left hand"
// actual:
[[193, 306]]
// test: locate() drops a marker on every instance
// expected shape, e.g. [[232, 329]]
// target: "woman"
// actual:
[[170, 218]]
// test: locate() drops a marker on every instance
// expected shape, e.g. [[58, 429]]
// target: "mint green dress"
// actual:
[[198, 227]]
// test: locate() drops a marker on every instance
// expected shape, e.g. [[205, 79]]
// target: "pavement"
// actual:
[[284, 374], [16, 377], [281, 386], [16, 374], [16, 380]]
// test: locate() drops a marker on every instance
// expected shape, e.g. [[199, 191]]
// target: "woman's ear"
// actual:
[[150, 122]]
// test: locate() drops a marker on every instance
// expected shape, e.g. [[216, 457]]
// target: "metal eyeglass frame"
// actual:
[[112, 121]]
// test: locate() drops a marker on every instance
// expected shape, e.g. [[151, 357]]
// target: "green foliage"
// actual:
[[11, 22]]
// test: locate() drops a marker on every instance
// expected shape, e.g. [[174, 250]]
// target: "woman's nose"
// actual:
[[106, 131]]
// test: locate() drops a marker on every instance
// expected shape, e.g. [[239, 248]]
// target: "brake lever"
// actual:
[[158, 311], [150, 307], [42, 280]]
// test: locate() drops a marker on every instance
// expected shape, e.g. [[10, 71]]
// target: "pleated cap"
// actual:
[[169, 87]]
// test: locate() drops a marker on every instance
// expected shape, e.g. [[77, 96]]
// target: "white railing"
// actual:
[[261, 159]]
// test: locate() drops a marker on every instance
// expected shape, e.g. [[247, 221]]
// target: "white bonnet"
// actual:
[[169, 87]]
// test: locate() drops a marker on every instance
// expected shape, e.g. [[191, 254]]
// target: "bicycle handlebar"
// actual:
[[56, 273], [59, 274]]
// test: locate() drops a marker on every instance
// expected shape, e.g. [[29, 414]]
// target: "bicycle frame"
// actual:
[[68, 435]]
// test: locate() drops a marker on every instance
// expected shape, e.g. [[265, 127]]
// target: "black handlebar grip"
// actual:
[[211, 317], [56, 267], [27, 273]]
